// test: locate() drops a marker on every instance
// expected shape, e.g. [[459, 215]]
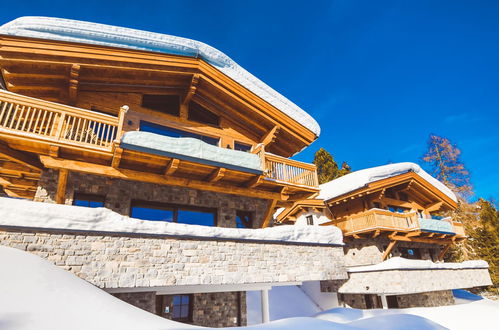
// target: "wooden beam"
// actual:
[[443, 252], [419, 239], [117, 157], [270, 212], [172, 166], [217, 175], [132, 175], [413, 233], [376, 233], [434, 207], [388, 250], [256, 181], [74, 75], [192, 90], [60, 196], [54, 151], [271, 136], [20, 157], [19, 193]]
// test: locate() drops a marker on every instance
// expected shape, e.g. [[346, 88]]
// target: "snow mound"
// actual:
[[22, 213], [359, 179], [106, 35], [402, 263], [192, 149], [34, 294]]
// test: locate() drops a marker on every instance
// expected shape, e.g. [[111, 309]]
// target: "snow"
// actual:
[[402, 263], [22, 213], [36, 295], [191, 149], [440, 226], [106, 35], [359, 179]]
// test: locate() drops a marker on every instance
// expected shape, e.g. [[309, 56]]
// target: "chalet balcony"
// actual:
[[377, 220], [57, 131]]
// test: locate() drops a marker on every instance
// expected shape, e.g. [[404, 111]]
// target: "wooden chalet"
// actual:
[[67, 105], [404, 207]]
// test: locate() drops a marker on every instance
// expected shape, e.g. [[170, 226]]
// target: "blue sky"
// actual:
[[379, 76]]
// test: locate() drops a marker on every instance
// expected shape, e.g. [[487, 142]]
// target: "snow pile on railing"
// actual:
[[359, 179], [27, 214], [399, 263], [191, 149], [107, 35]]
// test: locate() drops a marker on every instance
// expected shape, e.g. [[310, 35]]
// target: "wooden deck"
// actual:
[[68, 137]]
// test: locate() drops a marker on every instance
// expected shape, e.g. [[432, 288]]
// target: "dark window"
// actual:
[[242, 147], [368, 301], [392, 301], [244, 219], [403, 196], [169, 104], [173, 213], [398, 209], [88, 200], [377, 205], [310, 220], [410, 253], [182, 308], [202, 115], [146, 126], [389, 193]]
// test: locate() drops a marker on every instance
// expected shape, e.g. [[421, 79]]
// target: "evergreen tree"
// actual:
[[327, 168], [444, 162]]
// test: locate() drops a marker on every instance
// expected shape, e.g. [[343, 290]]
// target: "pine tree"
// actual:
[[444, 162], [327, 168]]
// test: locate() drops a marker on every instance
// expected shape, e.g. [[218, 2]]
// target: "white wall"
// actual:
[[319, 218]]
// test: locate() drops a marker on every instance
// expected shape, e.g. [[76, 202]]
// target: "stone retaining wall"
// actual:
[[115, 261], [414, 281]]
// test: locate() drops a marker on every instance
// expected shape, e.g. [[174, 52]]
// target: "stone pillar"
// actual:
[[384, 302], [265, 306]]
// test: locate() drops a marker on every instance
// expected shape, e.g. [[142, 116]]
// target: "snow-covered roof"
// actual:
[[362, 178], [398, 263], [108, 35], [28, 214], [192, 149]]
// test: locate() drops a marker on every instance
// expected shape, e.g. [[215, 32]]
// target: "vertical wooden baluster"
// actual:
[[3, 111], [108, 134], [49, 125], [13, 116], [98, 133], [60, 125], [26, 120], [20, 118], [35, 128]]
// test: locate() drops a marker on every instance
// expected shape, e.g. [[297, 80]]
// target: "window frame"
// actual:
[[158, 106], [245, 213], [310, 220], [89, 198], [190, 308], [175, 209], [151, 127]]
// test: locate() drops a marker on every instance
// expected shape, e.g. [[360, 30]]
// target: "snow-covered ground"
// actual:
[[35, 294]]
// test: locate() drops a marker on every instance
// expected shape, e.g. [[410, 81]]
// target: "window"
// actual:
[[392, 301], [310, 220], [244, 219], [182, 308], [146, 126], [242, 147], [390, 193], [398, 209], [88, 200], [202, 115], [377, 205], [169, 104], [173, 213]]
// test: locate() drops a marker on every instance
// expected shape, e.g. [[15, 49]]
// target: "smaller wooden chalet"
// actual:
[[398, 202]]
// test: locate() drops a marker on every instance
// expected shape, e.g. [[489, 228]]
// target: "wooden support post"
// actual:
[[172, 166], [217, 175], [54, 151], [121, 121], [116, 157], [443, 252], [388, 250], [73, 83], [270, 136], [268, 215], [191, 91], [61, 186]]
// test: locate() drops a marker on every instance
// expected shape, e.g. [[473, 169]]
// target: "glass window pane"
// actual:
[[196, 217], [177, 300], [184, 312], [185, 300], [96, 204], [176, 312], [79, 202], [154, 214]]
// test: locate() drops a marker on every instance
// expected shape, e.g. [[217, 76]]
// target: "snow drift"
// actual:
[[22, 213]]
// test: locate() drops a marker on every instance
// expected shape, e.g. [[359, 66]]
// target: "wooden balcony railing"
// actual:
[[286, 170], [377, 219], [58, 123]]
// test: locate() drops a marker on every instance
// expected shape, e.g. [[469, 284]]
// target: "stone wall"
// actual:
[[119, 194], [142, 300], [427, 299], [414, 281], [360, 252], [118, 261]]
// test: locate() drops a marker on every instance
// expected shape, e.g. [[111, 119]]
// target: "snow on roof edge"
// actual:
[[113, 36], [398, 263], [29, 214], [361, 178]]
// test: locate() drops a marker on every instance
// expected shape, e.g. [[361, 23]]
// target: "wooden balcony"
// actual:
[[375, 221], [60, 131]]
